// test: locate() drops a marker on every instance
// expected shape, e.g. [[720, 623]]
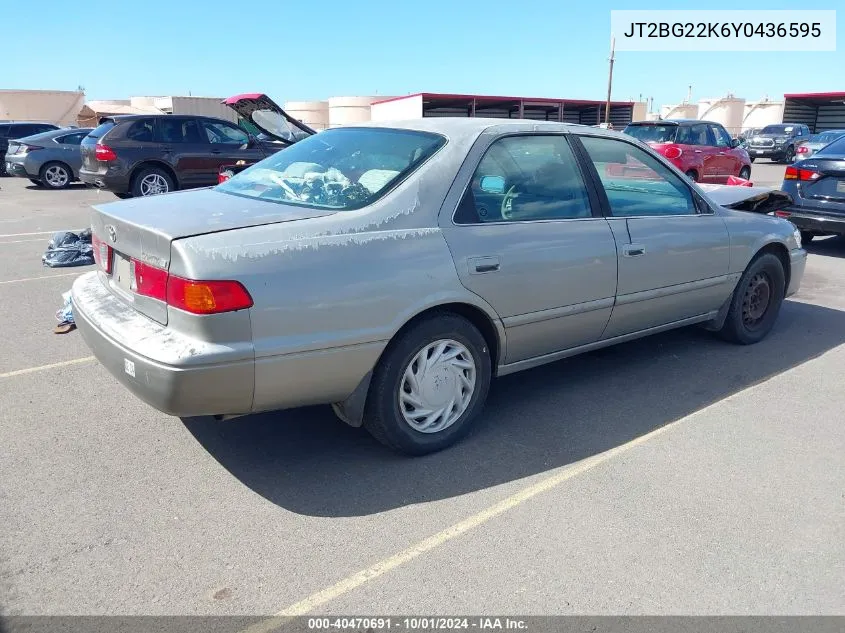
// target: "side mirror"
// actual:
[[493, 184], [734, 142]]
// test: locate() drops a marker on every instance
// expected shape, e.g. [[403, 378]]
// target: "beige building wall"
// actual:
[[314, 114], [55, 106], [398, 109]]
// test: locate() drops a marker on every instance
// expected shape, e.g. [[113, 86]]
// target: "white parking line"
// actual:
[[35, 233], [32, 370], [17, 281], [21, 241]]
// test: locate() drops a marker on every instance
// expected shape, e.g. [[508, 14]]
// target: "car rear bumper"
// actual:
[[816, 222], [20, 166], [119, 183], [765, 152], [166, 369], [797, 264]]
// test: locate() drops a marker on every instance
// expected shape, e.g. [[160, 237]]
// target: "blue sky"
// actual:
[[313, 50]]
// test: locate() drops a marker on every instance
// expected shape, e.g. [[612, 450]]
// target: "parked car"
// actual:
[[143, 155], [747, 134], [12, 130], [778, 142], [817, 142], [703, 150], [817, 188], [394, 269], [50, 159]]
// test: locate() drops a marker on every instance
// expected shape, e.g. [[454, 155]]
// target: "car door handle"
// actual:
[[167, 149], [633, 250], [216, 151], [488, 264], [698, 151]]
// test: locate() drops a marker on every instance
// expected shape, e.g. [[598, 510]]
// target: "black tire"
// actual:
[[138, 187], [745, 173], [789, 155], [745, 323], [382, 415], [36, 182], [122, 196], [55, 175], [692, 175], [807, 237]]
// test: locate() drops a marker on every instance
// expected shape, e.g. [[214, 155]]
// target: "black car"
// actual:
[[142, 155], [13, 130], [778, 142], [817, 188]]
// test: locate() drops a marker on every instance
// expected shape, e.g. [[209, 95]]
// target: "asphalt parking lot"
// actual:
[[673, 475]]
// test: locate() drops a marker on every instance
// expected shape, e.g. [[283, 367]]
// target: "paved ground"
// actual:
[[676, 474]]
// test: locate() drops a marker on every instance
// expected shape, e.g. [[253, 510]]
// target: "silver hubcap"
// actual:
[[437, 386], [153, 184], [56, 176]]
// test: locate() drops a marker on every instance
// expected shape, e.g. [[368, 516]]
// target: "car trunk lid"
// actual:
[[141, 230], [267, 116], [826, 187], [88, 147]]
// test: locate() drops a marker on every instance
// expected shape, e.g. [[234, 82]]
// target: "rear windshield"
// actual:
[[826, 137], [101, 129], [341, 168], [835, 149], [652, 133], [777, 129]]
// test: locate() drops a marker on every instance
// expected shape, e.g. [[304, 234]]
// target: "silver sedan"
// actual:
[[50, 159], [393, 270]]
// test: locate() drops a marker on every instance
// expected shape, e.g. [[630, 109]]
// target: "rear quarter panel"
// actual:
[[331, 291]]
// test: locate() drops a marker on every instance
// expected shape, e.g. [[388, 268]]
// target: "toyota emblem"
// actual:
[[112, 233]]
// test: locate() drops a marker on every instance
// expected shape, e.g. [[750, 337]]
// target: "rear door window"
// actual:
[[4, 131], [72, 139], [723, 139], [219, 133], [178, 131], [140, 131]]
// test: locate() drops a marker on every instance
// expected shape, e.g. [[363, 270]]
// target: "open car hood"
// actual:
[[754, 199], [267, 116]]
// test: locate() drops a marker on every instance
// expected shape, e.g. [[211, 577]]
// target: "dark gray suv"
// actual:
[[778, 142]]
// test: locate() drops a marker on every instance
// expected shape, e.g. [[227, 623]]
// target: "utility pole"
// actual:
[[609, 80]]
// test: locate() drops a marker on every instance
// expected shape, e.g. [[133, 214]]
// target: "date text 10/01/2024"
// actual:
[[417, 623]]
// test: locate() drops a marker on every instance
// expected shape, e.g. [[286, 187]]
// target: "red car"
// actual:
[[703, 150]]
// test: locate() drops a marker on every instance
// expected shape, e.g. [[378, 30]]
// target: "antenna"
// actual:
[[689, 94]]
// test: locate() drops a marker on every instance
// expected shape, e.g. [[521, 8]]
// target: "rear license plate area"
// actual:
[[124, 272], [840, 186]]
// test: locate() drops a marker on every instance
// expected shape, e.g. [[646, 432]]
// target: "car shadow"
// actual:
[[833, 246], [72, 186], [308, 462]]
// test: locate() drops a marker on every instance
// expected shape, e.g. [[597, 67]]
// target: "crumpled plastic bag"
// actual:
[[65, 313], [67, 248]]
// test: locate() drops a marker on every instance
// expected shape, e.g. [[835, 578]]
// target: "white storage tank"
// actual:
[[759, 114], [350, 110], [679, 111], [727, 110], [314, 114]]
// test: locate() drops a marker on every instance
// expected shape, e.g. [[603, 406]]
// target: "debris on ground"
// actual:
[[68, 248], [65, 315]]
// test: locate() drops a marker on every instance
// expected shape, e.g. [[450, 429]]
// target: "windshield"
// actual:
[[341, 168], [776, 129], [652, 133]]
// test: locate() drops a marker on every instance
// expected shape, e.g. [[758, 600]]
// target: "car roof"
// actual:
[[27, 123], [62, 131], [674, 122]]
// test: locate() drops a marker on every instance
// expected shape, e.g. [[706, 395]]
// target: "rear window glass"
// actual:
[[101, 129], [826, 137], [652, 133], [342, 168], [837, 148]]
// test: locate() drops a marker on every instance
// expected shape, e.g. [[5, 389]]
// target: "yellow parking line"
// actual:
[[380, 568], [32, 370], [17, 281]]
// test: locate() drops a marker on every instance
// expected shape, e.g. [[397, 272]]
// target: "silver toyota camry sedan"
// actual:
[[392, 270]]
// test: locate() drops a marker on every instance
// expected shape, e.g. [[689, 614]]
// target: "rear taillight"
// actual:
[[196, 297], [223, 176], [102, 253], [104, 153], [798, 173], [782, 214], [802, 150], [25, 149], [207, 297], [672, 152]]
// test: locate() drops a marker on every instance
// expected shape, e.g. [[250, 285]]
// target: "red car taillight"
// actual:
[[223, 176], [797, 173], [102, 253], [672, 152], [802, 149], [782, 214], [104, 153], [190, 295]]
